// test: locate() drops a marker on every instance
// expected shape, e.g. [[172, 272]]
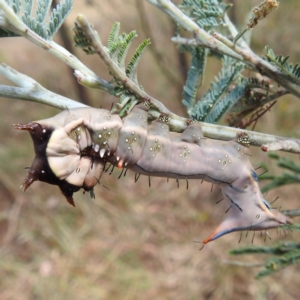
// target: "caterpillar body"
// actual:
[[73, 147]]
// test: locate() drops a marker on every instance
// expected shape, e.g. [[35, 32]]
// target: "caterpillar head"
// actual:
[[40, 169], [63, 155]]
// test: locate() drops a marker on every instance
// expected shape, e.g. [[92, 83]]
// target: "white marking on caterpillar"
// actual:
[[102, 152]]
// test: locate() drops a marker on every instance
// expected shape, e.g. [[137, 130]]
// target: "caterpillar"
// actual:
[[73, 148]]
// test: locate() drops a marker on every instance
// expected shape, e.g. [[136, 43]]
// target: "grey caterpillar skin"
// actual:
[[73, 147]]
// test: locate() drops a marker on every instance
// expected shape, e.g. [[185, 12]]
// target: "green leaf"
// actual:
[[208, 14], [131, 69], [229, 73], [58, 16], [42, 10], [224, 105], [278, 249], [16, 5], [35, 16], [288, 253], [113, 35], [278, 181], [285, 178], [195, 75], [124, 49], [29, 6], [281, 62], [115, 48], [118, 46]]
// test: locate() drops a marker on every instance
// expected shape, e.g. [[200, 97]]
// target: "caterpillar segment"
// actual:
[[73, 147]]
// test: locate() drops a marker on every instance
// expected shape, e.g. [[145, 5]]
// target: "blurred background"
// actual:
[[132, 241]]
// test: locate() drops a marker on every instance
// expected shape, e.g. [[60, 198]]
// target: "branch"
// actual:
[[279, 145], [176, 123], [186, 41], [222, 45], [30, 90], [10, 21], [200, 35], [264, 67], [119, 74]]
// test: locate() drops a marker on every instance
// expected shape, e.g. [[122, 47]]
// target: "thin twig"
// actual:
[[244, 112], [233, 31], [255, 117], [30, 90]]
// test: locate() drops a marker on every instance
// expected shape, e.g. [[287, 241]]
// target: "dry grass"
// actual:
[[132, 241]]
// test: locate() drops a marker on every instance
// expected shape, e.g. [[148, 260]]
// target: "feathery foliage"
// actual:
[[117, 48], [16, 5], [212, 104], [35, 16], [113, 35], [208, 14], [291, 177], [81, 41], [42, 10], [223, 106], [131, 69], [28, 10], [288, 253], [123, 49], [281, 62], [195, 75], [58, 16]]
